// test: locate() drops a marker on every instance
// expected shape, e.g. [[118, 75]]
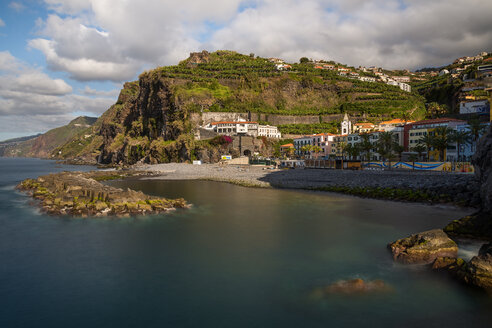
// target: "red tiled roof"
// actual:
[[287, 146], [438, 120]]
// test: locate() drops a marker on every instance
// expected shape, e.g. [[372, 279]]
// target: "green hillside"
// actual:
[[43, 145], [226, 81]]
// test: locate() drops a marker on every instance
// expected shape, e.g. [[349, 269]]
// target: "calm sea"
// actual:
[[239, 258]]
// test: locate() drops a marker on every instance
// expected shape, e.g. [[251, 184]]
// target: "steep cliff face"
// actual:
[[146, 124], [482, 161]]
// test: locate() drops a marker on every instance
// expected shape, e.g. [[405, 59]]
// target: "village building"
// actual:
[[268, 131], [244, 128]]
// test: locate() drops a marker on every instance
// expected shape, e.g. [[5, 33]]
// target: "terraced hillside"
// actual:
[[152, 119]]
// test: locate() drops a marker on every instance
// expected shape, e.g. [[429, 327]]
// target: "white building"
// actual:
[[243, 127], [403, 86], [403, 79], [234, 128], [367, 78], [268, 131], [475, 107]]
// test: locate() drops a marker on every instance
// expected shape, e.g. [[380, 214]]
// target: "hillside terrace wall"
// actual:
[[203, 118]]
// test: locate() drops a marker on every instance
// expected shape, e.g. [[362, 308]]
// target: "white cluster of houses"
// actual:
[[244, 128], [471, 59]]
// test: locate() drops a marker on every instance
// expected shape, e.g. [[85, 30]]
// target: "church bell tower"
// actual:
[[346, 126]]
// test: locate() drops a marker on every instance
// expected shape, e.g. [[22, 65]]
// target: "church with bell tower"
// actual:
[[346, 126]]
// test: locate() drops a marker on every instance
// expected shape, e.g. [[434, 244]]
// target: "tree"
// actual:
[[385, 145], [420, 149], [307, 149], [442, 139], [316, 150], [476, 128], [461, 138], [428, 141], [399, 149], [405, 116], [342, 146], [413, 158], [365, 145], [303, 60], [352, 150], [435, 109]]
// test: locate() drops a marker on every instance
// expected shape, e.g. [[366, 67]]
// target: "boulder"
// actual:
[[424, 247], [478, 271]]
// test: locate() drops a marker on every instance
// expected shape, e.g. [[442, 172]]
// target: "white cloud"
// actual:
[[2, 23], [17, 6], [114, 40], [383, 33], [32, 101], [88, 91]]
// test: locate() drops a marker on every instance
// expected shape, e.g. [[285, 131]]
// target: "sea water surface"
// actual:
[[240, 257]]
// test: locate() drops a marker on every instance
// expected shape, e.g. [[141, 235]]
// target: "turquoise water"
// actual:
[[239, 258]]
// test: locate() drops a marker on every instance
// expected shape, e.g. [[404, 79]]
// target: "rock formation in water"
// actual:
[[82, 194], [424, 247], [352, 286]]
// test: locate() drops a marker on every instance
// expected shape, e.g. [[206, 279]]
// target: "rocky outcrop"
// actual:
[[352, 286], [478, 272], [482, 160], [479, 225], [424, 247], [82, 194]]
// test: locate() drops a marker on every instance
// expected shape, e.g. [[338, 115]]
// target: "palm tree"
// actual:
[[342, 146], [420, 149], [385, 145], [405, 116], [428, 141], [442, 139], [365, 145], [399, 149], [461, 138], [476, 128], [306, 149], [412, 158], [316, 150], [349, 149]]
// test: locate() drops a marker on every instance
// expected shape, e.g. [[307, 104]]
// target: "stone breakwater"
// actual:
[[83, 194], [430, 187]]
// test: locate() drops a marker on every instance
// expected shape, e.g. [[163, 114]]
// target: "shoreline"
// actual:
[[421, 187]]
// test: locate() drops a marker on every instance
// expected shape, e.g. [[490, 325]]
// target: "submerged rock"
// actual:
[[352, 286], [82, 194], [424, 247]]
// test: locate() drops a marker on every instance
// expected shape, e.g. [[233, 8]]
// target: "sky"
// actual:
[[60, 59]]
